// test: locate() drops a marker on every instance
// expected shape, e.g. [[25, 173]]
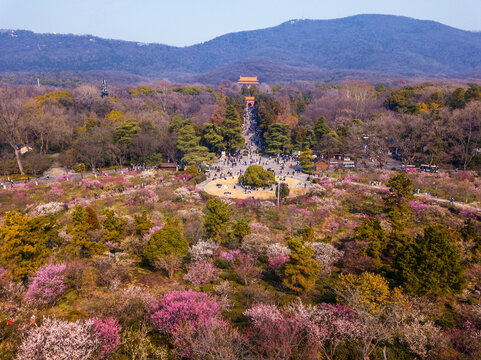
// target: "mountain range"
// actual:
[[297, 49]]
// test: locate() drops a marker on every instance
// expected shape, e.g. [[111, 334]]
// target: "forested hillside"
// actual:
[[374, 43]]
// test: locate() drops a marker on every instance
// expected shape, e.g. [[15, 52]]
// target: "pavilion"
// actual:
[[246, 80]]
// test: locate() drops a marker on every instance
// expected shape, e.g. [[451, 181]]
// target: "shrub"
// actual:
[[325, 255], [256, 176], [92, 218], [277, 255]]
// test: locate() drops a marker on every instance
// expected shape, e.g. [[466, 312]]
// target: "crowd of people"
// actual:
[[230, 166], [251, 132]]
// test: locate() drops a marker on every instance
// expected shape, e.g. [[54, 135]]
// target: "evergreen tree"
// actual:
[[189, 144], [301, 272], [142, 223], [232, 130], [218, 214], [283, 190], [113, 225], [213, 139], [166, 242], [277, 139], [306, 161], [470, 233], [256, 176], [81, 245], [436, 98], [92, 218], [321, 128], [26, 244], [430, 264], [401, 188], [241, 228], [473, 93], [372, 231], [126, 132]]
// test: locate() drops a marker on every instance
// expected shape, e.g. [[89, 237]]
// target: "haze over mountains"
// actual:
[[297, 49]]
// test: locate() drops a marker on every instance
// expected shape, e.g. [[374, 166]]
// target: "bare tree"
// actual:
[[13, 130], [467, 132], [170, 263], [91, 147]]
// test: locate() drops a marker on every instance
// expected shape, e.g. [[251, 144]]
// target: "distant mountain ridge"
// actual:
[[385, 44]]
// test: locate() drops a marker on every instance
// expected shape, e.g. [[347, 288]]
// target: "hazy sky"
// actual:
[[186, 22]]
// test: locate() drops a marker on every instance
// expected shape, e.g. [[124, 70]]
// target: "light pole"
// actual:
[[278, 192]]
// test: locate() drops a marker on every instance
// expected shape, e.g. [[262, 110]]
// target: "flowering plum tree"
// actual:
[[325, 255], [46, 285], [58, 339], [201, 272], [202, 250], [245, 267], [107, 332], [182, 306], [214, 339], [277, 255]]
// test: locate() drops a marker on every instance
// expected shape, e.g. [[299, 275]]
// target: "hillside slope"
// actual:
[[374, 43]]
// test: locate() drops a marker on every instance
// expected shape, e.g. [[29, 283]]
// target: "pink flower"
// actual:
[[201, 272], [261, 313], [276, 262], [92, 184], [152, 231], [58, 339], [333, 226], [64, 177], [180, 307], [47, 284], [469, 213], [107, 332], [56, 190], [259, 228], [305, 212], [229, 256]]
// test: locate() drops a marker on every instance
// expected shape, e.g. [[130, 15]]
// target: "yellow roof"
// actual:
[[248, 78]]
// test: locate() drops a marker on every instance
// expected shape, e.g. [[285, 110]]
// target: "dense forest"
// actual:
[[123, 260]]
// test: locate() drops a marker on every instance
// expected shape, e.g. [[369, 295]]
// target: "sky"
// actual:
[[187, 22]]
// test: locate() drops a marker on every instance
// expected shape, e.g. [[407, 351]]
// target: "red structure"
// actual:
[[250, 100], [246, 80]]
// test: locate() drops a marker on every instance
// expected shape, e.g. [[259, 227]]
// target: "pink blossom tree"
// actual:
[[302, 331], [214, 339], [107, 332], [201, 272], [203, 250], [245, 267], [337, 323], [277, 255], [58, 339], [46, 285], [281, 335], [180, 307]]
